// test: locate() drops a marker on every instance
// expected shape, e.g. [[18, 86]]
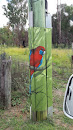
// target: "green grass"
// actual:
[[18, 117], [21, 54], [62, 57]]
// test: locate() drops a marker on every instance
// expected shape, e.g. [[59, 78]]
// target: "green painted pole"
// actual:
[[41, 87], [38, 8]]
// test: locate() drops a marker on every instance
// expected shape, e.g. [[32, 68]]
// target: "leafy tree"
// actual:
[[16, 12], [66, 29], [65, 19], [6, 36]]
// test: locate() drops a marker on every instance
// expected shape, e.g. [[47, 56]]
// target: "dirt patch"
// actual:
[[57, 112], [58, 92], [16, 111], [58, 122], [65, 125], [71, 127]]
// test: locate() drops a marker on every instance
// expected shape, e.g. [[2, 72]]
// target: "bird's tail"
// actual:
[[31, 76], [30, 89]]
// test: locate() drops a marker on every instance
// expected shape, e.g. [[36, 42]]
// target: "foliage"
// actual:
[[66, 19], [66, 29], [15, 101], [26, 108], [10, 38], [6, 36], [17, 13]]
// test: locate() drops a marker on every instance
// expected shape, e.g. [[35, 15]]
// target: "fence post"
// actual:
[[5, 83]]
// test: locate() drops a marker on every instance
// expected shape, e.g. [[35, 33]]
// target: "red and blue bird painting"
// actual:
[[36, 60]]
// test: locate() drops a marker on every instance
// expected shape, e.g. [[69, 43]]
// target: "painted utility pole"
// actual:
[[59, 20], [40, 60]]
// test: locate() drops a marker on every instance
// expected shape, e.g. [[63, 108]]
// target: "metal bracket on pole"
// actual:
[[30, 18], [48, 21]]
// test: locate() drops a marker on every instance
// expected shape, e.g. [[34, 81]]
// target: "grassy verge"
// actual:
[[17, 118], [21, 54]]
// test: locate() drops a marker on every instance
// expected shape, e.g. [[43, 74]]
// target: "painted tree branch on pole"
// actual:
[[40, 88]]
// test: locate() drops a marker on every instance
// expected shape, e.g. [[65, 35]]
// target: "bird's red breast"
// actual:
[[35, 57]]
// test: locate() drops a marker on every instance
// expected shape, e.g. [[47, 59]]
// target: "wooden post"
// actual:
[[39, 81], [5, 83]]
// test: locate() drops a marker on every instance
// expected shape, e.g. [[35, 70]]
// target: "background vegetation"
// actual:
[[18, 117], [14, 36], [66, 27], [15, 32]]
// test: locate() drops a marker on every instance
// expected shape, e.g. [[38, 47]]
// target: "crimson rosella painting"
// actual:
[[40, 60], [36, 60]]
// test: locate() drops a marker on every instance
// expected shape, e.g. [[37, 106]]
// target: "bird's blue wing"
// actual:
[[30, 54], [32, 75], [30, 84], [41, 61]]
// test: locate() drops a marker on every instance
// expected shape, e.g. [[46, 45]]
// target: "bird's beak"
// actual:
[[43, 52]]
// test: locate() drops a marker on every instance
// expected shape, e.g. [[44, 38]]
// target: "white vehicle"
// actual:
[[68, 99]]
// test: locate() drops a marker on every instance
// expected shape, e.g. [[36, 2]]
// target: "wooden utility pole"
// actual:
[[41, 81], [59, 20]]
